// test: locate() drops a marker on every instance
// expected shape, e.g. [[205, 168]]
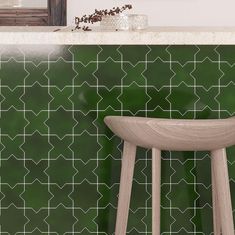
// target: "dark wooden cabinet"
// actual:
[[24, 17], [54, 14], [57, 10]]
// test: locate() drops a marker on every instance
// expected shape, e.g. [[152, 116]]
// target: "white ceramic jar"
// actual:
[[124, 22]]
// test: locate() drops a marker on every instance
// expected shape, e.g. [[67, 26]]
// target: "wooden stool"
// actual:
[[176, 135]]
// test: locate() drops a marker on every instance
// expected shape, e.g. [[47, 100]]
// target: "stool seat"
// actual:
[[174, 134], [180, 135]]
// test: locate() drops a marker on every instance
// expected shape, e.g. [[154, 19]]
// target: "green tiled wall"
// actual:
[[60, 165]]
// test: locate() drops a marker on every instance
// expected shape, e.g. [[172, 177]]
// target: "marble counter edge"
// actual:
[[152, 36]]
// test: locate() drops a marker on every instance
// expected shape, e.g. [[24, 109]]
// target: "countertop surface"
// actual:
[[149, 36]]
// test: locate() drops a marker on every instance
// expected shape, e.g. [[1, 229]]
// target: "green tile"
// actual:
[[230, 152], [88, 171], [85, 154], [158, 52], [36, 147], [201, 220], [36, 221], [86, 74], [166, 171], [61, 98], [85, 54], [110, 98], [85, 122], [60, 73], [181, 190], [109, 52], [36, 122], [232, 186], [11, 196], [85, 195], [12, 74], [61, 195], [182, 223], [207, 74], [158, 99], [205, 195], [108, 196], [203, 163], [31, 195], [16, 215], [226, 54], [61, 220], [226, 98], [109, 73], [60, 165], [36, 171], [36, 98], [61, 147], [182, 98], [11, 98], [36, 74], [108, 167], [134, 74], [85, 98], [135, 222], [167, 222], [12, 147], [140, 201], [134, 54], [182, 74], [61, 122], [86, 221], [134, 98], [207, 98], [183, 171], [228, 74], [182, 54], [17, 168], [207, 51], [61, 171], [111, 148], [158, 73]]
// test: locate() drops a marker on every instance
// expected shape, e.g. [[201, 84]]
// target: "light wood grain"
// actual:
[[23, 17], [54, 14], [128, 163], [174, 134], [182, 135], [219, 162], [156, 191], [216, 212]]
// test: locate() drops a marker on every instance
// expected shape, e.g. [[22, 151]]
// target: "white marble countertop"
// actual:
[[150, 36]]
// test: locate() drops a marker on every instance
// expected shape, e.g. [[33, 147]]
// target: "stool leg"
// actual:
[[128, 163], [219, 163], [156, 190], [216, 213]]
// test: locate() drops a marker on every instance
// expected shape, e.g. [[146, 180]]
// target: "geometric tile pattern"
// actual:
[[60, 165]]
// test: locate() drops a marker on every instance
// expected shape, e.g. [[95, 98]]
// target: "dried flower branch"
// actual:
[[97, 16]]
